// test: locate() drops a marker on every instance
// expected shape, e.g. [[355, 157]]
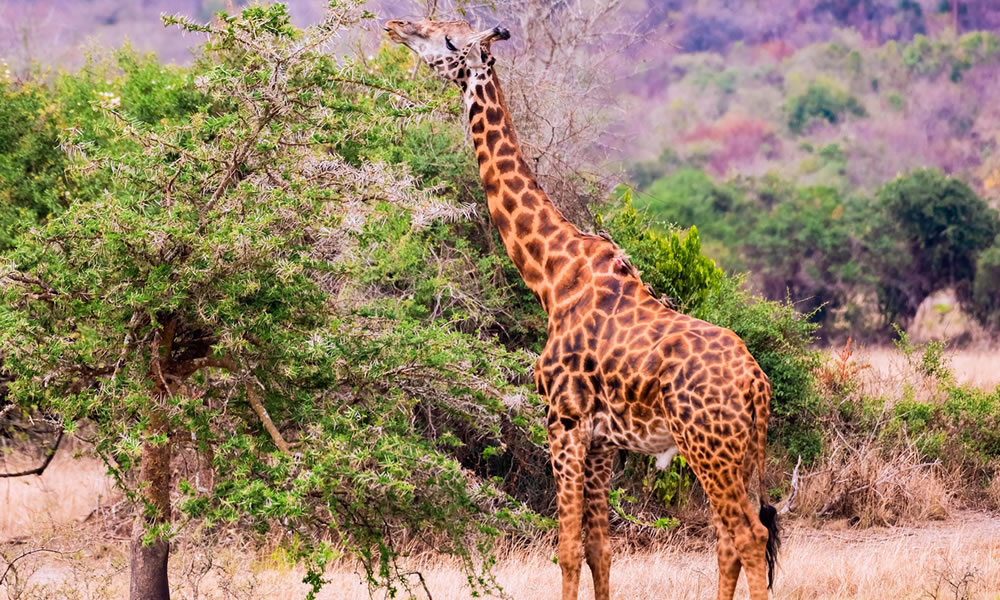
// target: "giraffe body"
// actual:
[[620, 369]]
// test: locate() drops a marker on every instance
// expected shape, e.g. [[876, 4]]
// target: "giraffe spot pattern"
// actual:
[[620, 370]]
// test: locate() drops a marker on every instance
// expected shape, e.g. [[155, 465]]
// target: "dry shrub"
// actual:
[[842, 372], [993, 492], [871, 486]]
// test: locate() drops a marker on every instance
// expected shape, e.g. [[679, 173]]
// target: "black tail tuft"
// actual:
[[769, 518]]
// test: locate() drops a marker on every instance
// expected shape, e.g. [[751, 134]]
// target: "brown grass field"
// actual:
[[979, 367], [70, 507]]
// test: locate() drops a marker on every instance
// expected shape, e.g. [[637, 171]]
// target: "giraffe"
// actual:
[[620, 369]]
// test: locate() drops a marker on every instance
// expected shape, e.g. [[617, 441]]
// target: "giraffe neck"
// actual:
[[532, 229]]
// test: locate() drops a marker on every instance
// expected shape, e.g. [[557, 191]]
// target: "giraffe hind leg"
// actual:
[[729, 560], [750, 537], [598, 544], [726, 489]]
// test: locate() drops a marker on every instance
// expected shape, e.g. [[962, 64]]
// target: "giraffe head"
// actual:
[[452, 48]]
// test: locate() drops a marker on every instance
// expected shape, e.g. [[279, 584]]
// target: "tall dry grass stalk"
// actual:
[[869, 487]]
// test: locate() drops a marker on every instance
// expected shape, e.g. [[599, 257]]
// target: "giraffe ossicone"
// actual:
[[621, 369]]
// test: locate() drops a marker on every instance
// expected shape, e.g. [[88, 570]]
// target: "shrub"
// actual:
[[32, 181], [673, 264]]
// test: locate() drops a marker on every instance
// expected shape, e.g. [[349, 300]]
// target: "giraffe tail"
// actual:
[[769, 518], [768, 514]]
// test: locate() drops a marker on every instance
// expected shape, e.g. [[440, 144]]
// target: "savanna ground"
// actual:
[[77, 524]]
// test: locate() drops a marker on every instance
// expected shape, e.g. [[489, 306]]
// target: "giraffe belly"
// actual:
[[663, 459], [659, 443]]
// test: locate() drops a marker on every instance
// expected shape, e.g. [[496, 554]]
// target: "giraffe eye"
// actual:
[[447, 42]]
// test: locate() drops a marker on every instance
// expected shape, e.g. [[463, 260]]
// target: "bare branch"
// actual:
[[10, 565], [39, 469]]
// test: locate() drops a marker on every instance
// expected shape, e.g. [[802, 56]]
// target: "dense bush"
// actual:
[[36, 178], [907, 444], [32, 165], [673, 264]]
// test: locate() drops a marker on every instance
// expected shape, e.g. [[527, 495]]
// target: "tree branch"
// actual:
[[255, 402], [40, 469], [258, 408], [10, 565]]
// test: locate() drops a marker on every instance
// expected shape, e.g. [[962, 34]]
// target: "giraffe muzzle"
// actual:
[[499, 33]]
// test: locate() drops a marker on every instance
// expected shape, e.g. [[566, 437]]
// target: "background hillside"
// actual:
[[771, 126]]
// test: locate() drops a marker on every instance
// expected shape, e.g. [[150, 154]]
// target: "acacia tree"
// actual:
[[195, 309]]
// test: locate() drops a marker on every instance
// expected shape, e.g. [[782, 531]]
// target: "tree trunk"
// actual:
[[149, 562]]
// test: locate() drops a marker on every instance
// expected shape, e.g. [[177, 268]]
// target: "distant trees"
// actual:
[[828, 250], [822, 101], [932, 229]]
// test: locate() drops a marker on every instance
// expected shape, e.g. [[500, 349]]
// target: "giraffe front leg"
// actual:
[[597, 477], [568, 463]]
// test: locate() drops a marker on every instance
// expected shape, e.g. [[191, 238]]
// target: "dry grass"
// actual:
[[979, 367], [956, 559], [870, 473], [869, 487], [902, 563], [68, 491]]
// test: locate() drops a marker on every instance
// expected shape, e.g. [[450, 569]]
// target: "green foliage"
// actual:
[[929, 57], [955, 423], [985, 296], [672, 264], [931, 229], [822, 101], [803, 246], [231, 257], [689, 197], [828, 249], [673, 485], [974, 415], [32, 184], [618, 495], [36, 179]]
